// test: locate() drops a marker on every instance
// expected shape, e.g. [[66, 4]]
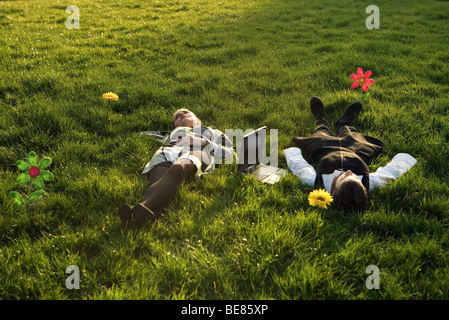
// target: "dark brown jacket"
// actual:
[[350, 150]]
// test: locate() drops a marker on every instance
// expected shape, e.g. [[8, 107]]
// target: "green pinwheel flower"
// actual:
[[34, 172]]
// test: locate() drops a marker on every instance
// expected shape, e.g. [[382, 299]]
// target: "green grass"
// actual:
[[236, 64]]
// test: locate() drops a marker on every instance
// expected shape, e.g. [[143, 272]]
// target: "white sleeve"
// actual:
[[399, 165], [299, 166]]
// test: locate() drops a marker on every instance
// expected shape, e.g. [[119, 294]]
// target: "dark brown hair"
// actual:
[[351, 195]]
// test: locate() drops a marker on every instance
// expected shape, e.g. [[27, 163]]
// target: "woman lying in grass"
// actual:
[[189, 149], [342, 161]]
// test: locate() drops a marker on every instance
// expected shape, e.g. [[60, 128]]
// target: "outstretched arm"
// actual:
[[299, 166], [400, 164]]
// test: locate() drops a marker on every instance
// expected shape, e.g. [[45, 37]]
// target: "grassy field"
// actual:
[[236, 64]]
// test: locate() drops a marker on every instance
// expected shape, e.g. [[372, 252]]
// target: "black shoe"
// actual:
[[317, 108], [125, 213], [349, 115], [143, 215]]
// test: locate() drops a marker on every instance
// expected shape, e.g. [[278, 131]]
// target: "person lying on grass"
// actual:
[[342, 161], [189, 149]]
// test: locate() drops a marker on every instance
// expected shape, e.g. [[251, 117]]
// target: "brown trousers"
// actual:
[[163, 182]]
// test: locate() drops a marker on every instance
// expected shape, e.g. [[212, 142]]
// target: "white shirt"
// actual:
[[400, 164], [328, 178]]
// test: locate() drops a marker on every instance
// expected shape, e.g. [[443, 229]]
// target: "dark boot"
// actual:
[[142, 215], [317, 108], [349, 115], [125, 213], [139, 214]]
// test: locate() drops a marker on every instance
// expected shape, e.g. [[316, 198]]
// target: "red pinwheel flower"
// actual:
[[362, 79]]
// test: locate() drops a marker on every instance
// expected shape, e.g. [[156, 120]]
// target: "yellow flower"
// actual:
[[110, 96], [320, 198]]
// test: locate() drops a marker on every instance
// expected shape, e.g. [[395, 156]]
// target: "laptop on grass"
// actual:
[[250, 156]]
